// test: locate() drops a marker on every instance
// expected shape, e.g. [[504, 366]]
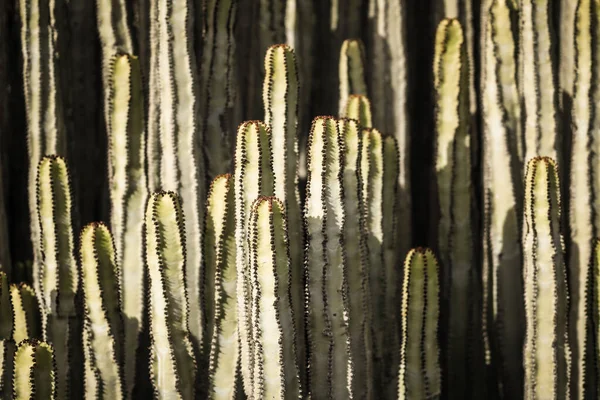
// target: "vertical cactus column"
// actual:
[[45, 125], [538, 80], [217, 85], [359, 316], [128, 194], [358, 107], [329, 361], [351, 71], [181, 157], [276, 373], [584, 202], [172, 364], [6, 309], [26, 313], [280, 96], [7, 355], [59, 270], [253, 178], [388, 92], [546, 355], [34, 375], [453, 172], [420, 374], [103, 320], [220, 279], [503, 312]]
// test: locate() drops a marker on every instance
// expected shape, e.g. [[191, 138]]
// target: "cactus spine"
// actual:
[[253, 178], [329, 355], [26, 313], [219, 247], [172, 363], [129, 193], [358, 107], [59, 272], [502, 154], [100, 277], [584, 204], [546, 355], [420, 374], [34, 376], [359, 318], [276, 372], [45, 126], [351, 71], [453, 169]]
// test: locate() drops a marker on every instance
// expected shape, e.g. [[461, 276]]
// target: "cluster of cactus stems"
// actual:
[[253, 252]]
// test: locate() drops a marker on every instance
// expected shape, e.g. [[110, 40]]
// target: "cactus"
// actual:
[[351, 71], [584, 222], [129, 192], [503, 313], [26, 313], [329, 355], [6, 309], [276, 373], [358, 107], [173, 366], [253, 178], [34, 376], [420, 374], [45, 125], [7, 353], [546, 355], [104, 324], [453, 169], [359, 317], [220, 285], [58, 272]]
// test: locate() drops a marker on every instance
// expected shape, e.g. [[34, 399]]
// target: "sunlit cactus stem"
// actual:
[[59, 272], [128, 194], [253, 178], [34, 375], [45, 124], [220, 286], [26, 313], [351, 72], [358, 107], [453, 173], [546, 355], [584, 202], [276, 373], [420, 374], [329, 354], [172, 363], [503, 311], [100, 281]]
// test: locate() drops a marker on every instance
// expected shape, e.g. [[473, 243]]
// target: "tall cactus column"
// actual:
[[546, 355], [453, 170]]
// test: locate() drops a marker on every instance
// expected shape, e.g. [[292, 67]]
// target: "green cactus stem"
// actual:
[[181, 157], [420, 373], [359, 318], [128, 193], [276, 373], [26, 313], [7, 355], [584, 203], [45, 125], [172, 366], [453, 172], [34, 376], [358, 107], [253, 178], [100, 277], [329, 354], [537, 77], [546, 355], [219, 248], [503, 312], [6, 308], [217, 84], [280, 96], [351, 71]]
